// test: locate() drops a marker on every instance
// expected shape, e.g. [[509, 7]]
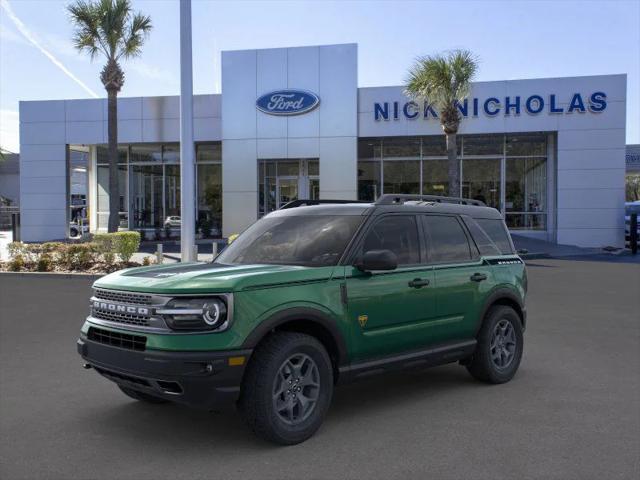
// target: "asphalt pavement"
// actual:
[[571, 412]]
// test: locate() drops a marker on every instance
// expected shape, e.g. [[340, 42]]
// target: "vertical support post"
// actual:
[[159, 255], [187, 168], [214, 248], [633, 233]]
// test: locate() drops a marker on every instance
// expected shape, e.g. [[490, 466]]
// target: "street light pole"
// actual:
[[187, 148]]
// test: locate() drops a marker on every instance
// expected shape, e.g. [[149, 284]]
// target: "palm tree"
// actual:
[[444, 81], [112, 29]]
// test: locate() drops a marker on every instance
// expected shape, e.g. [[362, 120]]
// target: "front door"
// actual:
[[391, 311]]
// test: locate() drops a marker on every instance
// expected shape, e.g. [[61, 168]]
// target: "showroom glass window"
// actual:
[[209, 191], [507, 172], [149, 186]]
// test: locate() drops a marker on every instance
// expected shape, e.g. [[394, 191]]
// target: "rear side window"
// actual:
[[397, 233], [447, 241], [485, 244], [497, 233]]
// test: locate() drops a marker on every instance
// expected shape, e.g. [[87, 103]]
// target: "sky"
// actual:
[[512, 39]]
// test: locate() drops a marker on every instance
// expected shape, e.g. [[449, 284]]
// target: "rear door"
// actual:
[[461, 277], [390, 311]]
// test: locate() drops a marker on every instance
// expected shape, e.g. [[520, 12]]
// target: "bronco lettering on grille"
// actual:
[[114, 307]]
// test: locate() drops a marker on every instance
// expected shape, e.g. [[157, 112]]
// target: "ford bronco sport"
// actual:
[[311, 296]]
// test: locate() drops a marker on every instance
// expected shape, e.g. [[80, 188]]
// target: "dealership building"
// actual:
[[293, 123]]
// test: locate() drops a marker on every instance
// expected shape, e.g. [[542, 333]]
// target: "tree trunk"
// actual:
[[454, 166], [114, 193]]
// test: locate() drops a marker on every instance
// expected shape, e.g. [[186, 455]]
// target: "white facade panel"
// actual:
[[339, 167], [303, 147], [604, 178], [43, 169], [272, 148], [591, 159], [587, 198], [303, 73], [129, 131], [42, 111], [207, 106], [154, 108], [39, 153], [89, 110], [591, 237], [129, 108], [604, 138], [339, 90], [161, 130], [45, 133], [239, 71], [207, 129], [85, 132], [239, 166], [271, 75]]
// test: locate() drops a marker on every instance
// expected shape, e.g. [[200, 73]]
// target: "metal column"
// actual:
[[187, 149]]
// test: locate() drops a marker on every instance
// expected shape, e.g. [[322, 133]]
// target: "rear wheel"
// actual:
[[500, 345], [287, 388], [141, 396]]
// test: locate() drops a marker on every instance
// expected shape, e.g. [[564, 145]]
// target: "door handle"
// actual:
[[418, 283], [478, 277]]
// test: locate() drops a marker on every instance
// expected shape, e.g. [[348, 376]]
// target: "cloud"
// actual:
[[24, 30], [9, 128]]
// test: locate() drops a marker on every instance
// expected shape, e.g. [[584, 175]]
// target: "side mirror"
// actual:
[[377, 260]]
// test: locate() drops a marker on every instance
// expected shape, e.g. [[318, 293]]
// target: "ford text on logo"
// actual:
[[117, 308], [287, 102], [492, 106]]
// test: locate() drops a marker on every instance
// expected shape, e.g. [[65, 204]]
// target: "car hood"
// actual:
[[209, 277]]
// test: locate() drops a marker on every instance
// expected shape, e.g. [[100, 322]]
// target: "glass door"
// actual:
[[287, 190]]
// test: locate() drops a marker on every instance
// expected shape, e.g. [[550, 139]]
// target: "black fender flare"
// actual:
[[501, 294], [307, 314]]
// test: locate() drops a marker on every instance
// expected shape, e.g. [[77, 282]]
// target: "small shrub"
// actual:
[[106, 247], [16, 248], [45, 263], [16, 263], [126, 244], [79, 256], [146, 261]]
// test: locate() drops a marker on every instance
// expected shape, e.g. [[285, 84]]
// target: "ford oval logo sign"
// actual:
[[287, 102]]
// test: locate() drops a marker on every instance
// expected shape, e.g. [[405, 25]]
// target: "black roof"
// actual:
[[340, 207]]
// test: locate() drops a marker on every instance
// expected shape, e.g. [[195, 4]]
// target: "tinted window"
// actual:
[[482, 240], [398, 234], [447, 240], [498, 233], [314, 240]]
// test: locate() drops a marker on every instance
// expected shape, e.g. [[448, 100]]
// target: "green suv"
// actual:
[[313, 295]]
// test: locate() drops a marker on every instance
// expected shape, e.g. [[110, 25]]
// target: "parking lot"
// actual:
[[572, 411]]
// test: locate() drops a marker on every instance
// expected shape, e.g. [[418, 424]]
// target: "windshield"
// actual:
[[313, 240]]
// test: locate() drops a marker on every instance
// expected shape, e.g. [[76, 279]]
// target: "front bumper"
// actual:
[[198, 379]]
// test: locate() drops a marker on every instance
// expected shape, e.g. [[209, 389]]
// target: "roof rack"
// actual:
[[393, 199], [306, 202]]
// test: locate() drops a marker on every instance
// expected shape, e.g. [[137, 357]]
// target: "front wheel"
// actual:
[[287, 388], [499, 349]]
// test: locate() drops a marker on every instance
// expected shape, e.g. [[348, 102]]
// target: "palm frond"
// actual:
[[443, 79], [139, 28]]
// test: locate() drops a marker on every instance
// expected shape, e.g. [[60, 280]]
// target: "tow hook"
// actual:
[[86, 366]]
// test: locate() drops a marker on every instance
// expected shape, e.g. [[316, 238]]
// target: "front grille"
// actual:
[[125, 318], [117, 339], [123, 297]]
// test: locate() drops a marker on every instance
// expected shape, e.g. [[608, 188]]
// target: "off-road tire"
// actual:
[[141, 396], [481, 365], [256, 399]]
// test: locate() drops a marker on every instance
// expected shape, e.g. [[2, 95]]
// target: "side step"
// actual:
[[439, 355]]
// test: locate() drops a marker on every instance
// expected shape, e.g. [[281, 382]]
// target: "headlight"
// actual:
[[196, 314]]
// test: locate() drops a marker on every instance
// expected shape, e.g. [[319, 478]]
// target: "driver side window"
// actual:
[[398, 233]]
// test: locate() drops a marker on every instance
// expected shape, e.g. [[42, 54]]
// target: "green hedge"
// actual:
[[45, 257]]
